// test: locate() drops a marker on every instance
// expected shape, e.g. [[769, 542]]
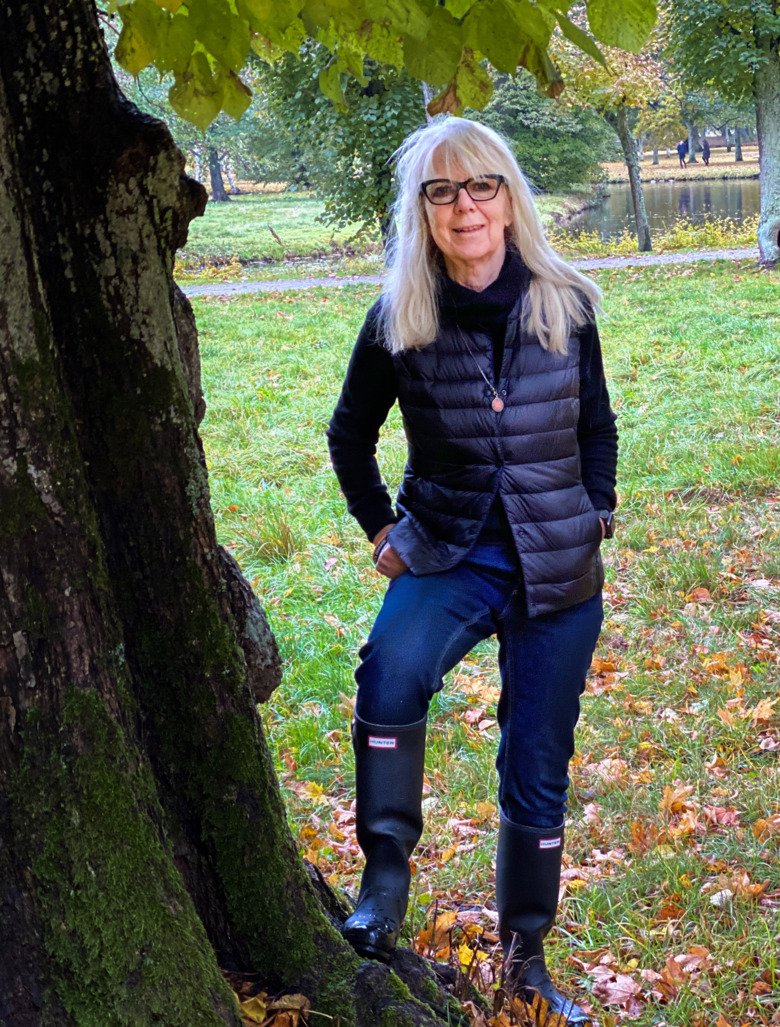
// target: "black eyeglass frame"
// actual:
[[499, 179]]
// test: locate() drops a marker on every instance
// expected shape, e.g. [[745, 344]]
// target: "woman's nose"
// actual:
[[463, 201]]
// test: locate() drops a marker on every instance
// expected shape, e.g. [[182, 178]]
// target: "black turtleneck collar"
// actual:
[[489, 309]]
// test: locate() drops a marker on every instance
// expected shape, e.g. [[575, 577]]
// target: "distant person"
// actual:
[[682, 149], [488, 341], [705, 152]]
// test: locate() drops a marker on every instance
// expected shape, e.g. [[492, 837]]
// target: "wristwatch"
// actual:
[[607, 518]]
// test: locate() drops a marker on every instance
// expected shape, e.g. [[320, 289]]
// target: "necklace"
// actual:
[[496, 403]]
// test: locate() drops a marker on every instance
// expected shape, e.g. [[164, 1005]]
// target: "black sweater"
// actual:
[[370, 390]]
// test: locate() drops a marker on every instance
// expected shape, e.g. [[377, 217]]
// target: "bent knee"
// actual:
[[395, 682]]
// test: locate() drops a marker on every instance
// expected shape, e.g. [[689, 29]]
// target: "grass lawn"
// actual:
[[232, 235], [672, 890], [244, 228]]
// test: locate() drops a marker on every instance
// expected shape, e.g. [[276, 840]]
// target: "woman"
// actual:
[[487, 340]]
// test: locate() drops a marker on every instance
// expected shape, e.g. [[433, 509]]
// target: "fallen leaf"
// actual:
[[763, 829], [674, 798], [254, 1010]]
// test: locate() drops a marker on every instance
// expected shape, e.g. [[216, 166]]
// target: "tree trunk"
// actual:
[[738, 158], [767, 92], [143, 839], [637, 196], [218, 193], [693, 140], [656, 158], [234, 190]]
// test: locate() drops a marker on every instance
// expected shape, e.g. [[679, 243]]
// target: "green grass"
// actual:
[[240, 228], [233, 240], [675, 768]]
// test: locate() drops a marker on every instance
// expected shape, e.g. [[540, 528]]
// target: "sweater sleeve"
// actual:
[[367, 395], [596, 431]]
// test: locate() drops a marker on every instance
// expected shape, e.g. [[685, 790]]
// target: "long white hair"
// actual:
[[559, 298]]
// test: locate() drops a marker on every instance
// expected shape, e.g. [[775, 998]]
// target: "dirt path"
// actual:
[[292, 284]]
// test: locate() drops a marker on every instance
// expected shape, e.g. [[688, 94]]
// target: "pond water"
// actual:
[[668, 202]]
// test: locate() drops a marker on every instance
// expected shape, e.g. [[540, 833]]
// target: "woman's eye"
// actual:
[[482, 185], [441, 192]]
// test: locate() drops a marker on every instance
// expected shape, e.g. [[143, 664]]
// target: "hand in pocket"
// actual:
[[390, 563]]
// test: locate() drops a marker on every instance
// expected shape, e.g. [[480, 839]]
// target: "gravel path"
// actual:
[[293, 284]]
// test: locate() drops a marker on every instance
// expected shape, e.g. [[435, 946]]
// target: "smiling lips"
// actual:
[[468, 228]]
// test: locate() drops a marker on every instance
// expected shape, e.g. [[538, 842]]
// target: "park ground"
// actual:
[[670, 908], [269, 235], [722, 165]]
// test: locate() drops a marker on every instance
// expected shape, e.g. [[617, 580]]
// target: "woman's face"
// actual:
[[469, 233]]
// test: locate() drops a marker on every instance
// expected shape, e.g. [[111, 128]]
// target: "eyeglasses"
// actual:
[[445, 190]]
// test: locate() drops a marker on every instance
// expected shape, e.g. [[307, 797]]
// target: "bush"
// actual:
[[556, 146]]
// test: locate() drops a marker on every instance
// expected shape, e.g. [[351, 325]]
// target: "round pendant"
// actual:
[[497, 404]]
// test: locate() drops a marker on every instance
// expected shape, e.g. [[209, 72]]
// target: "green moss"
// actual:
[[122, 938], [392, 1017], [21, 508], [429, 991]]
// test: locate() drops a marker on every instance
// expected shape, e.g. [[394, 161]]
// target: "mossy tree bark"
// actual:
[[143, 839]]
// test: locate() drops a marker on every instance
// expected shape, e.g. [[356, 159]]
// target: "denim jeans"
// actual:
[[428, 623]]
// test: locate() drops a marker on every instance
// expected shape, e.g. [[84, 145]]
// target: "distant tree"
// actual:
[[659, 122], [259, 150], [345, 148], [557, 144], [620, 89], [734, 49]]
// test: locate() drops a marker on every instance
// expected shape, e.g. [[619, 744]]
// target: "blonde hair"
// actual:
[[559, 298]]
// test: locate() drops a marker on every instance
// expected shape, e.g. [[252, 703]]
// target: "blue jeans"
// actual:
[[428, 623]]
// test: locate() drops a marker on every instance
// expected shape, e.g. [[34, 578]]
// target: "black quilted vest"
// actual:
[[462, 454]]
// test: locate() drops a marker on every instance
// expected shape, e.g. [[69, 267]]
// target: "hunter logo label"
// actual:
[[375, 742], [549, 843]]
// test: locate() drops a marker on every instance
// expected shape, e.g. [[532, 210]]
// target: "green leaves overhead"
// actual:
[[143, 26], [197, 94], [205, 43], [622, 23], [435, 57]]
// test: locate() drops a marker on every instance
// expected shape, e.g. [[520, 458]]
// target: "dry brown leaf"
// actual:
[[767, 828], [599, 666], [674, 798], [762, 713]]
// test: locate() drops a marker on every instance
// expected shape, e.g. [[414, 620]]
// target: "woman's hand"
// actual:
[[389, 562]]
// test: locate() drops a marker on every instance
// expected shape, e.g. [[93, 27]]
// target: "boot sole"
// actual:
[[364, 948]]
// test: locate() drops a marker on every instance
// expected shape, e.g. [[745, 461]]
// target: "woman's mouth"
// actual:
[[467, 229]]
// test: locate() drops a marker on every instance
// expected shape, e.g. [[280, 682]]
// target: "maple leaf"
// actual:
[[763, 829], [674, 798], [618, 990]]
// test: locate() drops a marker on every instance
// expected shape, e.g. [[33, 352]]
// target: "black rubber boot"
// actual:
[[528, 875], [389, 764]]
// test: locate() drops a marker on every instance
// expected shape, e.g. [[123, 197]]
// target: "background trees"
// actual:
[[556, 145], [345, 148], [618, 89], [734, 49]]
